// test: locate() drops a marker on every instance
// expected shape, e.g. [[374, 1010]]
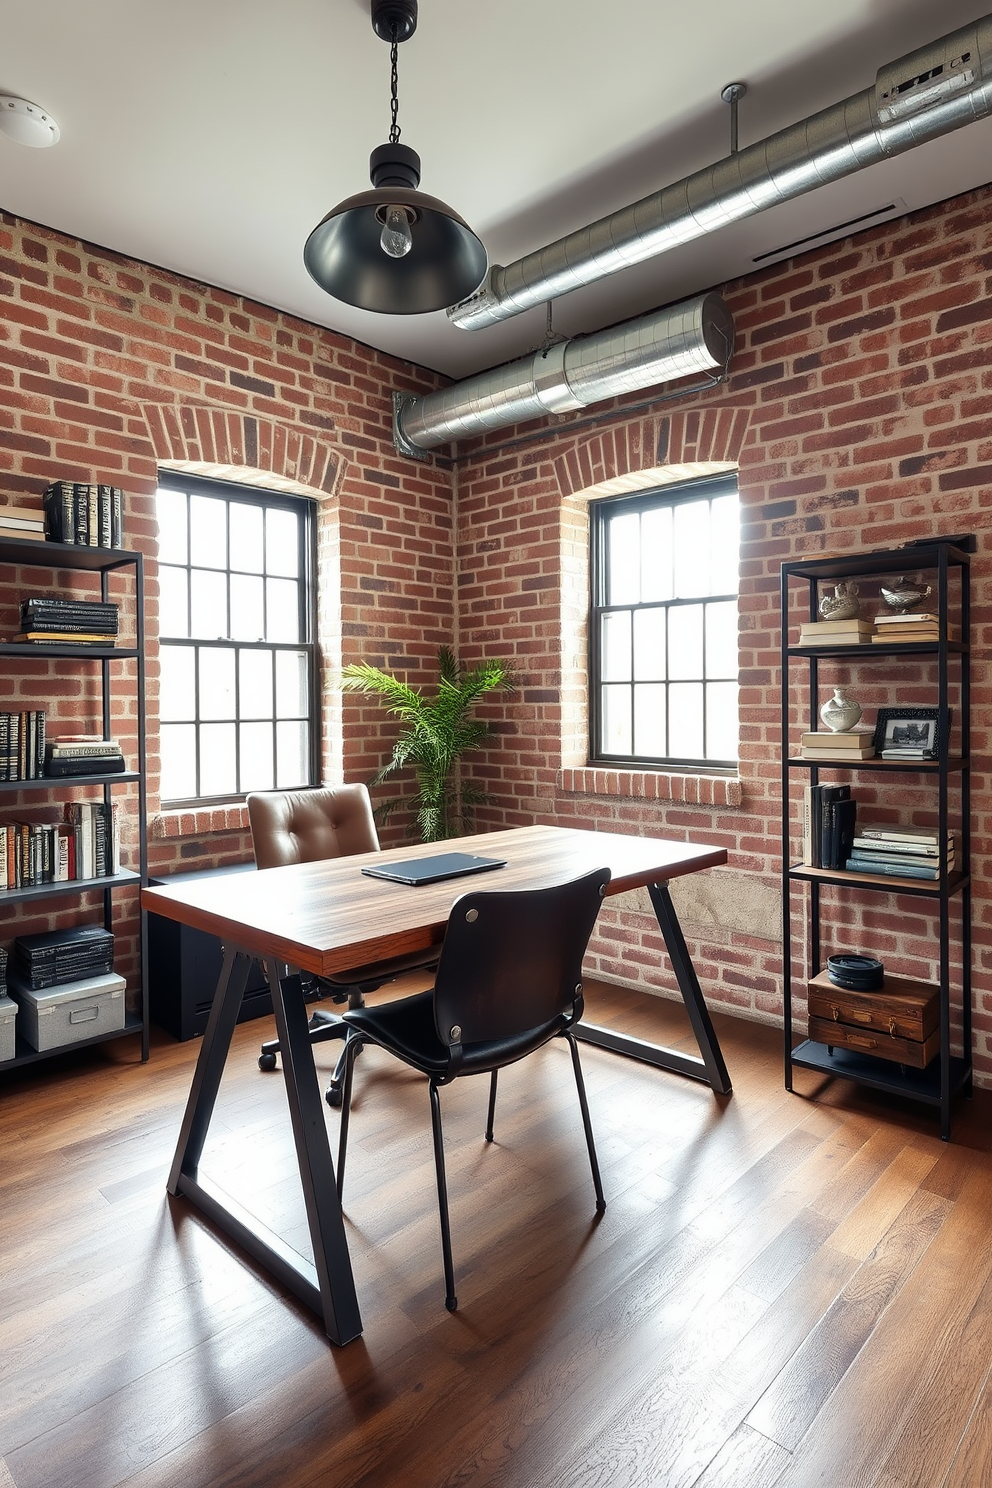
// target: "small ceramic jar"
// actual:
[[840, 713]]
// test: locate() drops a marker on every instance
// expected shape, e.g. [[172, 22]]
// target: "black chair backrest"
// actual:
[[512, 960]]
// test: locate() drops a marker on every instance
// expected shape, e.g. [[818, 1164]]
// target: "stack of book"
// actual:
[[900, 852], [910, 626], [855, 745], [58, 956], [85, 845], [853, 632], [829, 816], [87, 516], [22, 745], [83, 754], [22, 522], [48, 620]]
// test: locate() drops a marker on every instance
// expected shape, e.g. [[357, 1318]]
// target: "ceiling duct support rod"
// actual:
[[929, 93], [682, 340]]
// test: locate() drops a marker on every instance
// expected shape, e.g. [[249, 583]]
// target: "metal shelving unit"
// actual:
[[102, 562], [949, 1074]]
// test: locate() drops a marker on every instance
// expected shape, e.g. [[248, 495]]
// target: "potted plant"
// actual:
[[435, 733]]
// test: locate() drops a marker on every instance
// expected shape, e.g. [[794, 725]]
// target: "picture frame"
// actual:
[[915, 732]]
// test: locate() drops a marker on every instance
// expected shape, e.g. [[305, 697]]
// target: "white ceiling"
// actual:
[[210, 136]]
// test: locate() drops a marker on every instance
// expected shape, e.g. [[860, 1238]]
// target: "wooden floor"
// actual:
[[783, 1291]]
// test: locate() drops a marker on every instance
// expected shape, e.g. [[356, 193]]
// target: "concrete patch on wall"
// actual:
[[719, 900]]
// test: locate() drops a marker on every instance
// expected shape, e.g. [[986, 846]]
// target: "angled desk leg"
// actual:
[[328, 1286], [710, 1068]]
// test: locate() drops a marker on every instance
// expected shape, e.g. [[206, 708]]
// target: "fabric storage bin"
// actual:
[[8, 1016], [72, 1013]]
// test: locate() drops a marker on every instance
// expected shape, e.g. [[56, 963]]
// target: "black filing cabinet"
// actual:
[[184, 965]]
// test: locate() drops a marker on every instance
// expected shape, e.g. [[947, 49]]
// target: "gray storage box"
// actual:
[[71, 1013], [8, 1014]]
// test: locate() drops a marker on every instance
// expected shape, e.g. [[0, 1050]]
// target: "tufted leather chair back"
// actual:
[[307, 826]]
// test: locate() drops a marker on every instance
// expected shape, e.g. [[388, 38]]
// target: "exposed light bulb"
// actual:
[[396, 239]]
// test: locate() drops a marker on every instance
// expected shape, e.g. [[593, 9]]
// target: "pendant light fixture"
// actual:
[[394, 249]]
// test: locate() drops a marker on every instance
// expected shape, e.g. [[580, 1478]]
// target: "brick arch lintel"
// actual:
[[636, 452], [228, 441]]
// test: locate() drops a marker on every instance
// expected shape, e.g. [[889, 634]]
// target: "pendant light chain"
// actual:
[[394, 131]]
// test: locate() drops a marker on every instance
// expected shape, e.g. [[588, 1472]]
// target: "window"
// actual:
[[237, 655], [663, 632]]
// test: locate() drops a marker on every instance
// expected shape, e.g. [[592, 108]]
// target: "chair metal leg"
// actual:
[[450, 1300], [587, 1124], [492, 1106], [348, 1054]]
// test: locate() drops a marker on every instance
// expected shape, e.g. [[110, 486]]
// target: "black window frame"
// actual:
[[266, 498], [677, 494]]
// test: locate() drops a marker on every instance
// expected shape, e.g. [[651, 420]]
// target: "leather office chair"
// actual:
[[508, 981], [306, 826]]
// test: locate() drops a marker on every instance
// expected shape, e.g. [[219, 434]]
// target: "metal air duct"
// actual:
[[929, 93], [695, 336]]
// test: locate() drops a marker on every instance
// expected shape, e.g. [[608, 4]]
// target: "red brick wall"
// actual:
[[108, 368], [857, 413]]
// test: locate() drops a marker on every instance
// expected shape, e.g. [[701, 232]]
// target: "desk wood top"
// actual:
[[326, 917]]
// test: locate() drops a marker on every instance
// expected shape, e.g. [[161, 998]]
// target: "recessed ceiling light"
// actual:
[[26, 123]]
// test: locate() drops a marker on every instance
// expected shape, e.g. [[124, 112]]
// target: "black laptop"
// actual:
[[432, 870]]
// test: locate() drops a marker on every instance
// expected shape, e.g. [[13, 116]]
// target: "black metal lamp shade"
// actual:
[[344, 255]]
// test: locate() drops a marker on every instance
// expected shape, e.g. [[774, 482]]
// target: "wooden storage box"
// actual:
[[900, 1022]]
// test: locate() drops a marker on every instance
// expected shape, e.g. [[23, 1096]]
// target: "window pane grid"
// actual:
[[236, 708], [664, 627]]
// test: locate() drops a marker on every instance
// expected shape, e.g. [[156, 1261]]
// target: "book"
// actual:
[[830, 796], [117, 517], [90, 764], [34, 515], [854, 740], [834, 627], [906, 617], [887, 849], [106, 500], [860, 864], [837, 756], [68, 749], [895, 832], [21, 524], [58, 503]]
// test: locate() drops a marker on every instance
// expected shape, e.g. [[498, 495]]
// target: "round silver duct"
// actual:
[[682, 340], [931, 92]]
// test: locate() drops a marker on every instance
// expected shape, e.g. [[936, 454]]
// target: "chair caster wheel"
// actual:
[[334, 1096], [266, 1061]]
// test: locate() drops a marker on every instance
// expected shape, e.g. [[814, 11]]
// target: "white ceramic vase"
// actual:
[[840, 713]]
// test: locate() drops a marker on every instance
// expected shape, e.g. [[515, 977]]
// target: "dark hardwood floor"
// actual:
[[783, 1291]]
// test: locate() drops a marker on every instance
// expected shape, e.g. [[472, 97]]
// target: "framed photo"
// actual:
[[911, 731]]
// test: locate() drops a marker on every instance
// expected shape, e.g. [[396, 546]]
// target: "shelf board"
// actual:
[[929, 767], [880, 1074], [58, 782], [886, 560], [887, 881], [69, 886], [92, 653], [891, 648], [44, 554], [24, 1054]]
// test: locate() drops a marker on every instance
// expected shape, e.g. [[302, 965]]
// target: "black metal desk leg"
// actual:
[[339, 1302], [692, 996], [210, 1065]]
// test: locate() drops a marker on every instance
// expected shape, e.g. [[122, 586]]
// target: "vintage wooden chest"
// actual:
[[900, 1022]]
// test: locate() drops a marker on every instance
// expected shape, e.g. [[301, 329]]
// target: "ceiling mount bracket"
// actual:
[[394, 20], [732, 94]]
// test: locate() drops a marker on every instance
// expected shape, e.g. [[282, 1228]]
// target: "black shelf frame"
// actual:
[[948, 1075], [61, 557]]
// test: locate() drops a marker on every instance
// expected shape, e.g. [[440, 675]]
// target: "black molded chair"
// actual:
[[509, 980], [307, 826]]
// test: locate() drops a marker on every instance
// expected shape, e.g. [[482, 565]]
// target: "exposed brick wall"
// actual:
[[858, 414], [109, 368]]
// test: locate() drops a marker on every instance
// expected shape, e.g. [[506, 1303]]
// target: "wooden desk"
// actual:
[[326, 917]]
